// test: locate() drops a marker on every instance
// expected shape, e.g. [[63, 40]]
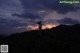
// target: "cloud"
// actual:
[[47, 5], [10, 7], [18, 13], [32, 7], [11, 23], [27, 15], [2, 20], [8, 26], [68, 21]]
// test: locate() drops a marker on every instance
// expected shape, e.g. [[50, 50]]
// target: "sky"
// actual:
[[23, 15]]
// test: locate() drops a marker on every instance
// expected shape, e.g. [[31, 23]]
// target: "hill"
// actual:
[[61, 39]]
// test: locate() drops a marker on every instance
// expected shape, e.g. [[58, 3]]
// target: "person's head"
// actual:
[[39, 22]]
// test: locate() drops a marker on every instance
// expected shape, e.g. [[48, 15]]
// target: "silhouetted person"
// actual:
[[40, 25]]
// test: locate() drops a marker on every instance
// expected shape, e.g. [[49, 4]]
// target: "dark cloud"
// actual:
[[47, 4], [8, 26], [68, 21], [28, 15], [10, 23], [32, 6], [2, 20]]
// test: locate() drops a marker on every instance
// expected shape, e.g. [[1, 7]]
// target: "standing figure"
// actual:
[[40, 25]]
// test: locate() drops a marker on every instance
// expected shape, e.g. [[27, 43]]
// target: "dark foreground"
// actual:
[[62, 39]]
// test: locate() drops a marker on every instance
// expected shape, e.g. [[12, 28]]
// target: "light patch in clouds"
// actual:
[[74, 15], [54, 15]]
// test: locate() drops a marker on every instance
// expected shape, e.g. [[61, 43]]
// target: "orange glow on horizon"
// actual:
[[47, 26]]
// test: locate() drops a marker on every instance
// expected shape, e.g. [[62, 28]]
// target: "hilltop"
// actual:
[[61, 39]]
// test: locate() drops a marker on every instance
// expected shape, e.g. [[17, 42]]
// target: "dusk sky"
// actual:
[[23, 15]]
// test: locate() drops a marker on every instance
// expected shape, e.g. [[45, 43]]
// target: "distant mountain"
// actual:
[[61, 39]]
